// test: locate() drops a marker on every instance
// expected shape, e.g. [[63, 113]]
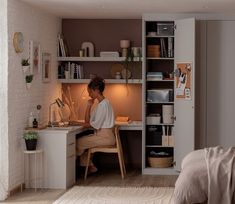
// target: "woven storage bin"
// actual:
[[153, 50], [160, 162]]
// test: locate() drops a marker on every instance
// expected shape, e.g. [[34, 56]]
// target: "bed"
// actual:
[[207, 176]]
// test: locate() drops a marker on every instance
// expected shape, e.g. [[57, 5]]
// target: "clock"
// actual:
[[18, 42]]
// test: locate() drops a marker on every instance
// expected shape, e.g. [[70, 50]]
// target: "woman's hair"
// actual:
[[97, 83]]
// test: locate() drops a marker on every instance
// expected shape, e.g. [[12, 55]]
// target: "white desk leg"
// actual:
[[28, 171], [35, 186], [23, 175]]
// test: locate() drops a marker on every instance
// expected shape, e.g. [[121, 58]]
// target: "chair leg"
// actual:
[[87, 164], [120, 163], [123, 163]]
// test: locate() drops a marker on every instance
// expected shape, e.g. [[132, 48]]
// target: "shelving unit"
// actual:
[[161, 53]]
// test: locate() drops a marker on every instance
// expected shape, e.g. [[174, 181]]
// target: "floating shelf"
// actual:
[[109, 81], [159, 58], [96, 59], [160, 36]]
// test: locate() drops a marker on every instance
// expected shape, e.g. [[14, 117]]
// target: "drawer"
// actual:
[[71, 149]]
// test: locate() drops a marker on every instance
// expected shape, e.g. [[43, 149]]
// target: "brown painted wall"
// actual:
[[105, 34]]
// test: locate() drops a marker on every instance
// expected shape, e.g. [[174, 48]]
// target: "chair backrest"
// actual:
[[116, 133]]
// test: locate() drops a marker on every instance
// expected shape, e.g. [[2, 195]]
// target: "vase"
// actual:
[[28, 85], [25, 68], [31, 144]]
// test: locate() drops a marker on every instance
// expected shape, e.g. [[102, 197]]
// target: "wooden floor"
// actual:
[[108, 178]]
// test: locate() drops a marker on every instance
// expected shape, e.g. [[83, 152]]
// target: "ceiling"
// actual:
[[129, 9]]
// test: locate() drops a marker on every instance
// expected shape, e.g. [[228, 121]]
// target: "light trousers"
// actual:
[[104, 136]]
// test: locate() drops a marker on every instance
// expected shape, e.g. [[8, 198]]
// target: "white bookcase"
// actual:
[[182, 50]]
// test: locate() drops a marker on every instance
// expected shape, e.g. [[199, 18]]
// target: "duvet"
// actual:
[[207, 176]]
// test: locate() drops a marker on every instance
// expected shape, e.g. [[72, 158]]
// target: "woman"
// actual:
[[101, 119]]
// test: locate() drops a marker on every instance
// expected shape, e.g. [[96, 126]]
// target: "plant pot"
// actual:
[[28, 85], [31, 144], [25, 68]]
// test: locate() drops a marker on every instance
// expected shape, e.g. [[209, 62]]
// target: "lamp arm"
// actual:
[[49, 120]]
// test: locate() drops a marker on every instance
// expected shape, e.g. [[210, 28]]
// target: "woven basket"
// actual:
[[160, 162]]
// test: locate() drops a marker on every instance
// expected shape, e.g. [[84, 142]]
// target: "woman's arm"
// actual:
[[90, 103]]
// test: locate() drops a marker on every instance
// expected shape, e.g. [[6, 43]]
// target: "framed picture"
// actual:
[[46, 67], [34, 55]]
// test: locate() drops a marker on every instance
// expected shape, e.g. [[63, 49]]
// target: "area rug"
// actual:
[[117, 195]]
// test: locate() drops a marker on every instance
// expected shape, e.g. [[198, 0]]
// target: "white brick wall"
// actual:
[[43, 28], [4, 163]]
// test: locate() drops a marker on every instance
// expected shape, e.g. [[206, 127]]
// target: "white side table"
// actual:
[[38, 167]]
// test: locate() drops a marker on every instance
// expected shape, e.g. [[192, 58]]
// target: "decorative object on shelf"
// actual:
[[30, 120], [125, 44], [28, 80], [39, 107], [109, 54], [118, 75], [35, 59], [126, 74], [18, 42], [46, 67], [31, 138], [116, 68], [25, 65], [81, 53], [88, 48], [35, 123]]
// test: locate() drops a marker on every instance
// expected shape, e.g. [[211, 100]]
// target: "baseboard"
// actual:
[[17, 189]]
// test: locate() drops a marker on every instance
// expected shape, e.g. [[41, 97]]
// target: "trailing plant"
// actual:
[[30, 135], [25, 62], [29, 78]]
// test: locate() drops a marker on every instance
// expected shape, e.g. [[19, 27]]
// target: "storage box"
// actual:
[[165, 28], [154, 135], [158, 95], [153, 119], [160, 162], [153, 51]]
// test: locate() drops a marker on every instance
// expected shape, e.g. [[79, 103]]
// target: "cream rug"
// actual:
[[117, 195]]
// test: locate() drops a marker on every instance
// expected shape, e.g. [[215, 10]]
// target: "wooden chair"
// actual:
[[117, 148]]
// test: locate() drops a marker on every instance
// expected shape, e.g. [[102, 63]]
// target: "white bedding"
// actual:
[[192, 184]]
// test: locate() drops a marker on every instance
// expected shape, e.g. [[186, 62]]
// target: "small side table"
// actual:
[[38, 169]]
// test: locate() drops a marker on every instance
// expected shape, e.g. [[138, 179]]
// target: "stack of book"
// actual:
[[74, 70]]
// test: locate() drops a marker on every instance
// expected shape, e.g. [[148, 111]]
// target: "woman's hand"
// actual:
[[90, 102]]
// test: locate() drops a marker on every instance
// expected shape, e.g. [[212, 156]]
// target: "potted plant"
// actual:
[[25, 65], [28, 79], [30, 140]]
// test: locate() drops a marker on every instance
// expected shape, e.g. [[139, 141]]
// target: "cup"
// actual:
[[135, 51]]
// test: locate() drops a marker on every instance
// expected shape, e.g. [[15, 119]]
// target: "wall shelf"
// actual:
[[96, 59], [109, 81]]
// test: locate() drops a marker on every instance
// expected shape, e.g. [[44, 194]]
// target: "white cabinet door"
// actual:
[[184, 109]]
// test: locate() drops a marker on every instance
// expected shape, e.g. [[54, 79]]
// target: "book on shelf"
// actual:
[[170, 47], [163, 48], [62, 49]]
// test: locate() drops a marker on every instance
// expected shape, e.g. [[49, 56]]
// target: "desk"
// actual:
[[59, 144]]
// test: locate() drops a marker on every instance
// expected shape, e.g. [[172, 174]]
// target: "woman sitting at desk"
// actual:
[[101, 119]]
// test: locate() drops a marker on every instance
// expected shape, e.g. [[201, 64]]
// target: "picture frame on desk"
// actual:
[[46, 67], [35, 57]]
